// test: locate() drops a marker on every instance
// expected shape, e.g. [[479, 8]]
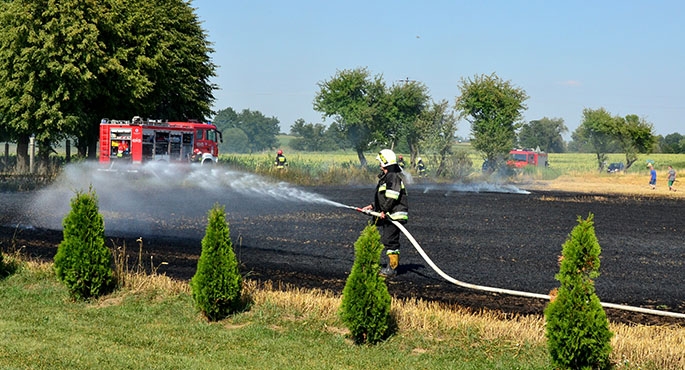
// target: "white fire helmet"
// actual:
[[386, 157]]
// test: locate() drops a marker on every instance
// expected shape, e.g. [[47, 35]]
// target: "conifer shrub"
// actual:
[[578, 335], [365, 306], [83, 262], [7, 267], [4, 270], [216, 286]]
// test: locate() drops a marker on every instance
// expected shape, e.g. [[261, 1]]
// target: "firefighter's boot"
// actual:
[[393, 262]]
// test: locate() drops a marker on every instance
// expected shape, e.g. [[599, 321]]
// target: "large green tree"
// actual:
[[634, 135], [494, 108], [358, 103], [596, 130], [406, 101], [545, 133], [437, 125], [64, 65], [49, 57]]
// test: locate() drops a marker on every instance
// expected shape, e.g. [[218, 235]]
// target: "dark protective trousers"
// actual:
[[390, 234]]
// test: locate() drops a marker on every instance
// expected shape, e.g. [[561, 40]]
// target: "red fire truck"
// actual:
[[139, 141], [527, 157]]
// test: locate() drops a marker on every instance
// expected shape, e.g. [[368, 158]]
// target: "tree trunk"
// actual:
[[414, 152], [362, 158], [22, 154]]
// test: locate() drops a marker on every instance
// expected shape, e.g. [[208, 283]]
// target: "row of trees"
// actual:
[[367, 113], [65, 65], [600, 131], [247, 131]]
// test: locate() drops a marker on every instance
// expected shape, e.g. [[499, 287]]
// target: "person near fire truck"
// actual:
[[122, 149], [281, 161], [390, 199]]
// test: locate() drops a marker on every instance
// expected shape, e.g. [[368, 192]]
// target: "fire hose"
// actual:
[[506, 291]]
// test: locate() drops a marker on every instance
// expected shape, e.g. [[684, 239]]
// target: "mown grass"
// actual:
[[151, 324], [157, 329]]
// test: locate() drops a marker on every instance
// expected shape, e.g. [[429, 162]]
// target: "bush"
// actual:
[[216, 286], [577, 331], [3, 269], [365, 306], [82, 261], [7, 268]]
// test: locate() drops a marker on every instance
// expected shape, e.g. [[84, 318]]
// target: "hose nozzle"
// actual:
[[368, 212]]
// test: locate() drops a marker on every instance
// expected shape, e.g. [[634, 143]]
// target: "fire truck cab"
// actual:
[[527, 157], [139, 141]]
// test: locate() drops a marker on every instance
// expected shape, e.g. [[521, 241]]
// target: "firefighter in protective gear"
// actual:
[[281, 161], [421, 167], [400, 161], [390, 200]]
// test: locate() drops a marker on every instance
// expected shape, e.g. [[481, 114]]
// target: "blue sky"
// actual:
[[625, 56]]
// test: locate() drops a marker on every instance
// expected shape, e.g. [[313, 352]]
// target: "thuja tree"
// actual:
[[83, 262], [216, 286], [365, 307], [578, 335]]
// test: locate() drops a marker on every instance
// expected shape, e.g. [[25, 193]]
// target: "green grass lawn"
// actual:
[[152, 329]]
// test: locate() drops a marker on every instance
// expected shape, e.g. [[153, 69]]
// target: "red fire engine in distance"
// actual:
[[139, 141]]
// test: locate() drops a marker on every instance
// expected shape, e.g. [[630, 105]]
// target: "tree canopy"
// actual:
[[604, 134], [64, 65], [259, 131], [596, 129], [545, 133], [634, 135], [357, 102], [437, 126], [494, 108], [407, 101]]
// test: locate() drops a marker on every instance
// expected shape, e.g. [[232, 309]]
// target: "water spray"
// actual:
[[500, 290]]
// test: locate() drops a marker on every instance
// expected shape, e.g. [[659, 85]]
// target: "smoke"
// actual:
[[161, 197], [476, 188]]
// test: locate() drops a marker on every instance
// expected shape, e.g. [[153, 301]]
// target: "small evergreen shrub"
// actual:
[[578, 335], [216, 286], [365, 306], [4, 270], [7, 267], [83, 262]]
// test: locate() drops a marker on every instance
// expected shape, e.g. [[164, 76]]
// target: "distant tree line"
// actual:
[[65, 66], [247, 131]]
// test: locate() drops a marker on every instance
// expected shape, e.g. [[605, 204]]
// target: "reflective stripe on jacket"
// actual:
[[391, 197]]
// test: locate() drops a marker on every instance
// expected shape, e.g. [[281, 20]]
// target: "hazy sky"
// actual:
[[625, 56]]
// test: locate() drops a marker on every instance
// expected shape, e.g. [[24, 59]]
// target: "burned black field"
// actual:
[[485, 235]]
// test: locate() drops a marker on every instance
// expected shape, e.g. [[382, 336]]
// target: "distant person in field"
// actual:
[[421, 167], [281, 161], [400, 161], [652, 176], [671, 178]]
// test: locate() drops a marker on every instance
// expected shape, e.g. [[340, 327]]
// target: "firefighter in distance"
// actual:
[[281, 161]]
